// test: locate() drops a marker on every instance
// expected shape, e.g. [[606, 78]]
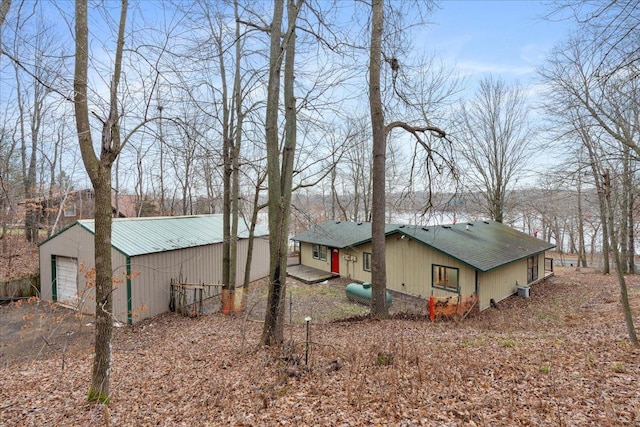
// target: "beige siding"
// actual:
[[410, 266], [119, 266], [356, 269], [349, 267], [409, 269], [541, 271], [150, 288], [259, 259], [75, 242], [500, 283], [151, 274], [306, 258]]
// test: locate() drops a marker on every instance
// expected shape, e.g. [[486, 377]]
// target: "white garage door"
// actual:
[[67, 280]]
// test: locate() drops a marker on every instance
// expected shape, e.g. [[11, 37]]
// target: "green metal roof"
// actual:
[[339, 234], [138, 236], [483, 245]]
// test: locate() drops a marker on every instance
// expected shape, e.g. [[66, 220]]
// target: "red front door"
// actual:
[[335, 261]]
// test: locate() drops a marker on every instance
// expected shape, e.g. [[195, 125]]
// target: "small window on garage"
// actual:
[[320, 252], [366, 261], [445, 278]]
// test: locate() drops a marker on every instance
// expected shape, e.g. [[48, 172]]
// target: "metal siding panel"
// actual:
[[74, 242], [153, 273], [501, 283], [150, 284], [259, 260], [306, 250], [358, 267], [46, 274], [119, 268], [86, 263]]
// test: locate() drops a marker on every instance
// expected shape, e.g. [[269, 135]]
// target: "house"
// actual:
[[147, 254], [485, 260], [59, 209]]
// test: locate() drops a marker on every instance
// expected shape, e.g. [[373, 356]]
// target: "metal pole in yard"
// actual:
[[290, 307], [306, 353]]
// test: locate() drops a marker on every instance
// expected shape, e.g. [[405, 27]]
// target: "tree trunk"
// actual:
[[602, 203], [622, 196], [226, 185], [5, 5], [99, 171], [273, 330], [252, 229], [104, 286], [379, 307], [624, 295], [627, 214], [630, 230], [582, 255]]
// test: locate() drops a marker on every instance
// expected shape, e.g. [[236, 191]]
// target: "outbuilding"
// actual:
[[147, 254], [481, 261]]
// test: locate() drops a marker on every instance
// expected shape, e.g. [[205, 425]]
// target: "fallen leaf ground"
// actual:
[[17, 258], [559, 358]]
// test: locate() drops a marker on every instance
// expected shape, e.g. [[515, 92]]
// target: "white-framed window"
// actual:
[[445, 278], [70, 209], [366, 261], [320, 252]]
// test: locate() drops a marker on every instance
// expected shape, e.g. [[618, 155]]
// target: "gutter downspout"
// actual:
[[54, 279], [129, 298]]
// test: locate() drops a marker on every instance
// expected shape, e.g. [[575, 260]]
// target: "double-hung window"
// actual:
[[366, 261], [320, 252], [70, 209]]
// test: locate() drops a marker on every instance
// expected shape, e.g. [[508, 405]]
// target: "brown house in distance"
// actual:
[[59, 210]]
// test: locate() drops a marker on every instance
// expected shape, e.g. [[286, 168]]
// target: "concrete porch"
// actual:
[[308, 274]]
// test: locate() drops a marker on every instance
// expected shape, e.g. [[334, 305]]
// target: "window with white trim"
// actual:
[[366, 261], [70, 209], [320, 252]]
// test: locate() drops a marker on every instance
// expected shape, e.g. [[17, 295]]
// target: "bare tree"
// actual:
[[605, 112], [495, 129], [610, 27], [5, 5], [380, 133], [9, 183], [99, 170], [280, 160], [28, 45], [624, 293]]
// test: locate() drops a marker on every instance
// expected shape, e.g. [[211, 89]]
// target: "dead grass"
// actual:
[[559, 358]]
